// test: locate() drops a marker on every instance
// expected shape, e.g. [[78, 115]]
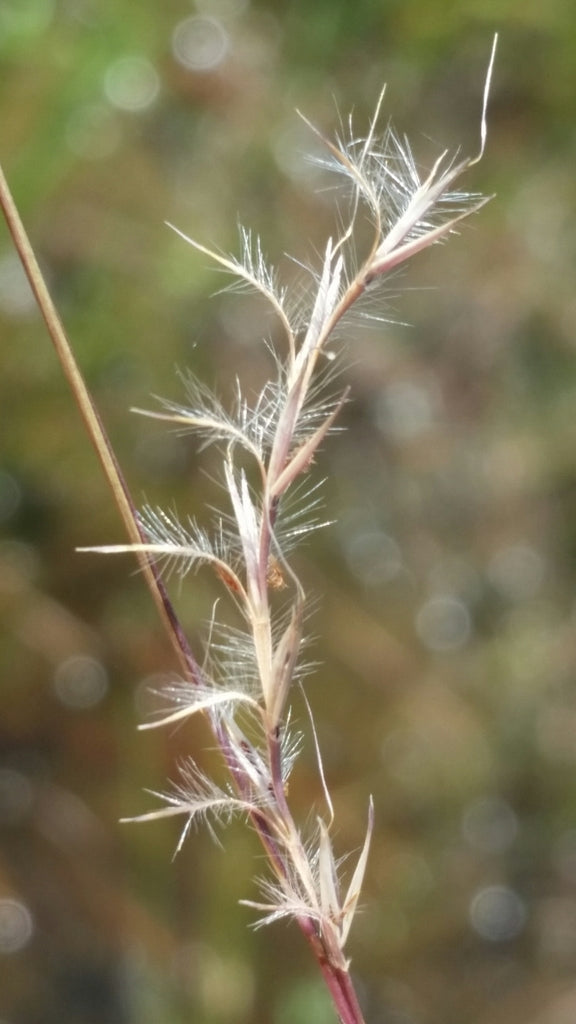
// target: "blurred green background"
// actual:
[[445, 626]]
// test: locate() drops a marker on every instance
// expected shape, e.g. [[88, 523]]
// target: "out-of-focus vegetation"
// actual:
[[446, 620]]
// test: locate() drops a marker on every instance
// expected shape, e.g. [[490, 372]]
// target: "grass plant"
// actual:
[[244, 678]]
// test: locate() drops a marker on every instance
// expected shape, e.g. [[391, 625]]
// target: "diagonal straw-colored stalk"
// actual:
[[94, 426]]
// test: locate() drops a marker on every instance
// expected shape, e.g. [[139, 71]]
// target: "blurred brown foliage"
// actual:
[[445, 618]]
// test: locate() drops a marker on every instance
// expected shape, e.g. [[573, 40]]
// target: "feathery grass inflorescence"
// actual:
[[244, 681]]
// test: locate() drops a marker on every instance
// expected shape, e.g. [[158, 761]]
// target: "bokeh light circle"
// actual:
[[16, 926], [497, 913], [200, 43], [80, 682], [443, 623], [131, 83]]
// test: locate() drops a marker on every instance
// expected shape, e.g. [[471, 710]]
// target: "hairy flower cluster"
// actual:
[[247, 675]]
